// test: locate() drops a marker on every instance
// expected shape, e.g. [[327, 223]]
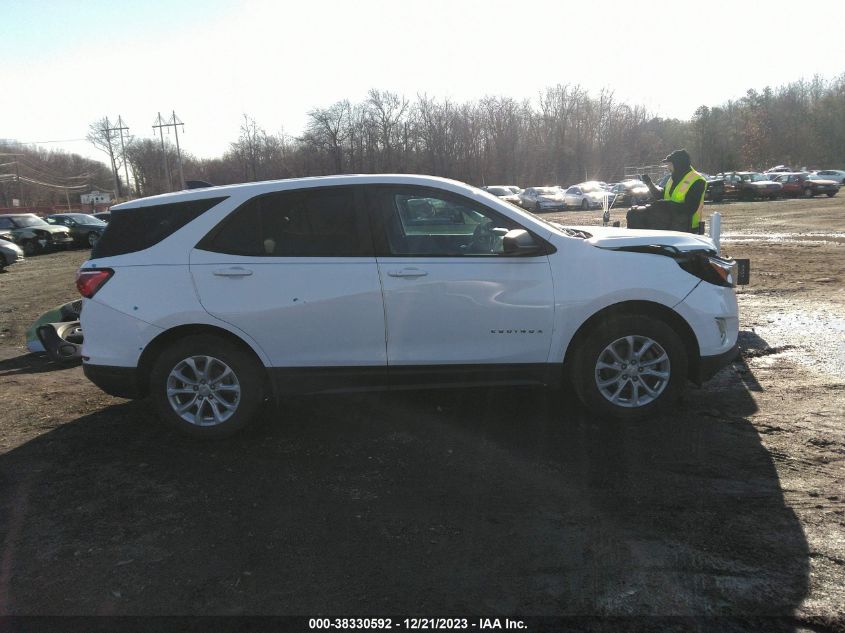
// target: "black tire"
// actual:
[[537, 207], [808, 193], [584, 372], [29, 247], [92, 239], [585, 205], [248, 373], [830, 194]]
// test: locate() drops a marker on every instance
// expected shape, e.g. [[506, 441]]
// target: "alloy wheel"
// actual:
[[632, 371], [203, 390]]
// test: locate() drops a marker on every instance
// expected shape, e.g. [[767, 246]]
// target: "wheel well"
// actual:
[[645, 308], [159, 343]]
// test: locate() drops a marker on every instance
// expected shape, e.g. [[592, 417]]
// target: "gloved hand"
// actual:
[[646, 179]]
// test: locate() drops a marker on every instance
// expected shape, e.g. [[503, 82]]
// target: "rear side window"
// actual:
[[304, 223], [132, 230]]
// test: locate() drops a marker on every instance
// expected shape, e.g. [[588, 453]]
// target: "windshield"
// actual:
[[83, 218], [759, 177], [591, 188], [547, 191], [28, 220], [499, 191]]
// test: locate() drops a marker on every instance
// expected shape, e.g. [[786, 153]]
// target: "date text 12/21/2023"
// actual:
[[431, 624]]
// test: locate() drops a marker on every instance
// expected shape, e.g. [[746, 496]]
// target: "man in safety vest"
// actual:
[[679, 204]]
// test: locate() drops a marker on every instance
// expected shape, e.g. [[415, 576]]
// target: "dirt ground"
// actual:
[[487, 502]]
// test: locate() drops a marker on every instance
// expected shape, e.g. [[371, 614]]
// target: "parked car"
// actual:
[[209, 300], [33, 234], [750, 185], [779, 169], [715, 190], [10, 253], [84, 229], [587, 195], [541, 198], [837, 175], [804, 184], [102, 215], [630, 192], [505, 193]]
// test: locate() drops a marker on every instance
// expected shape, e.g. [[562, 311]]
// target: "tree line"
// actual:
[[565, 135]]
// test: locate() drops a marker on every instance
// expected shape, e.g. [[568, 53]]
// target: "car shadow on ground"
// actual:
[[34, 363], [482, 501]]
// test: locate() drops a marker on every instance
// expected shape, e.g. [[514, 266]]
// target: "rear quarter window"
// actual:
[[132, 230]]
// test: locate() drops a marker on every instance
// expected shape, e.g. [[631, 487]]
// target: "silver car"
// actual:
[[10, 253], [587, 195], [542, 198]]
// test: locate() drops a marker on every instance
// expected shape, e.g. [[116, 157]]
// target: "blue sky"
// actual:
[[67, 64]]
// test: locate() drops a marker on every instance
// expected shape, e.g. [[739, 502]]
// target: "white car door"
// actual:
[[451, 296], [296, 271]]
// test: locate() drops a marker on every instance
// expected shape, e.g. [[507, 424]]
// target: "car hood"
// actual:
[[48, 228], [10, 246], [616, 238]]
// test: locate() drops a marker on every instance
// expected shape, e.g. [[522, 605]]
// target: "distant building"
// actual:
[[95, 197]]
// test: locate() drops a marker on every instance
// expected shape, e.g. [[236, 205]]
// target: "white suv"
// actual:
[[212, 300]]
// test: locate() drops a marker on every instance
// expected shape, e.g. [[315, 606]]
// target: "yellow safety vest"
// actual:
[[680, 193]]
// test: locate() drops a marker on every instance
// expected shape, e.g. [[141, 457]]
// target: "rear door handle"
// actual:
[[407, 272], [235, 271]]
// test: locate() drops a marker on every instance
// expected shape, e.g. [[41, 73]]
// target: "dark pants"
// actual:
[[662, 215]]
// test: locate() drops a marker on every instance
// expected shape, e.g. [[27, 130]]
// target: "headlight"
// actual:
[[710, 268]]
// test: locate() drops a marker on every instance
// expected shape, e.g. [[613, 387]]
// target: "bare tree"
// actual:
[[102, 136]]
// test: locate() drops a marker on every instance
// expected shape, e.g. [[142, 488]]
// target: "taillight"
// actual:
[[89, 281]]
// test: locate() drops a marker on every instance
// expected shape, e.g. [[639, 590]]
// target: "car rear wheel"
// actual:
[[808, 193], [207, 387], [630, 367], [584, 204], [830, 194]]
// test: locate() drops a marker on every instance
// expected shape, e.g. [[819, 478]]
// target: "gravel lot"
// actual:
[[489, 502]]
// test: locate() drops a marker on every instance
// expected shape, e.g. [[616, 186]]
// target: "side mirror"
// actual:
[[520, 242]]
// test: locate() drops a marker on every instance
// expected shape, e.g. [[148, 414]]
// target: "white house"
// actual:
[[95, 196]]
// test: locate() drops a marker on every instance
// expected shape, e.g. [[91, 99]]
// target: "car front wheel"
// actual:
[[207, 387], [629, 367], [93, 238]]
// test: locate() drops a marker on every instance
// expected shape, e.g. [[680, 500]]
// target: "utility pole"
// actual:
[[108, 129], [174, 123], [160, 124], [123, 151]]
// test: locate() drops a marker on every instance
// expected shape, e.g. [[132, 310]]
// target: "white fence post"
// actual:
[[716, 230]]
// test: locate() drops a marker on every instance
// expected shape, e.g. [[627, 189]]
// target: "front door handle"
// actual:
[[235, 271], [407, 272]]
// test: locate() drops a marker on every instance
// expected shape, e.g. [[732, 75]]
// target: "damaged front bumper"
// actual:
[[58, 333]]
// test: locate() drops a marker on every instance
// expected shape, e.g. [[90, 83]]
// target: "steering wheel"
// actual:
[[483, 238]]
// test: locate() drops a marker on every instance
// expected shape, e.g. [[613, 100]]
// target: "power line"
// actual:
[[65, 140], [174, 123]]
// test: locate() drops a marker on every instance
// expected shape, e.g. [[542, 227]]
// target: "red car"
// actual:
[[799, 184]]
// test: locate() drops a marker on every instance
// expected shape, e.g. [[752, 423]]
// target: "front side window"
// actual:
[[303, 223], [6, 223], [429, 223]]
